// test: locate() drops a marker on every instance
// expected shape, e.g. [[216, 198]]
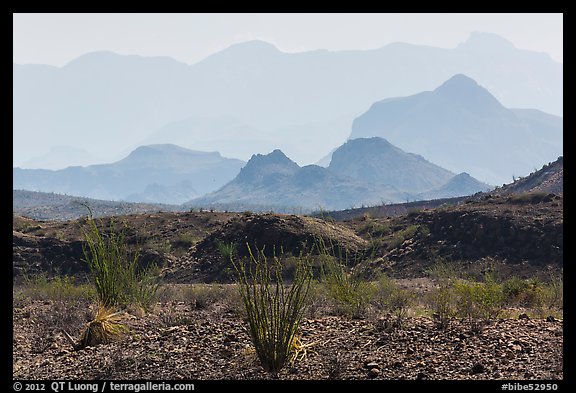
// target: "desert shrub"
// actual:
[[171, 315], [317, 301], [232, 300], [443, 272], [478, 301], [117, 277], [527, 293], [202, 296], [70, 315], [273, 310], [349, 292], [514, 289], [390, 297], [103, 329], [530, 197], [184, 241], [442, 302], [227, 250], [375, 229], [554, 292]]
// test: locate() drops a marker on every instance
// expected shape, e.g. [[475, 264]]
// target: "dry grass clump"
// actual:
[[103, 329]]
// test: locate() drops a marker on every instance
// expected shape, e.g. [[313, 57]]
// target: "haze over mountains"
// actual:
[[461, 126], [154, 173], [303, 103], [365, 171], [459, 123]]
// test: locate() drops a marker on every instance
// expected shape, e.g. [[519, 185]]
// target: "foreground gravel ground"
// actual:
[[176, 341]]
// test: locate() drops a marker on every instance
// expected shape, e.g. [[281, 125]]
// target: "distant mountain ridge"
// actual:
[[460, 125], [58, 207], [362, 172], [154, 173], [102, 96], [377, 161]]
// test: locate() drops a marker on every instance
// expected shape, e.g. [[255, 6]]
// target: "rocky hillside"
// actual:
[[549, 179], [519, 233], [280, 235]]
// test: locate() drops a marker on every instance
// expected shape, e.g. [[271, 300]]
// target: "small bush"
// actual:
[[274, 311], [184, 241], [443, 272], [118, 279], [350, 293], [393, 299], [554, 292], [202, 296], [227, 250], [442, 302], [103, 329], [478, 301]]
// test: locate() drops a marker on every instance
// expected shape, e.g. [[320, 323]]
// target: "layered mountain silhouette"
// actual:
[[155, 173], [365, 171], [275, 182], [461, 126], [108, 104], [376, 161]]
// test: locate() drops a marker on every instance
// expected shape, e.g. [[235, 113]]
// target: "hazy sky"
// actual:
[[58, 38]]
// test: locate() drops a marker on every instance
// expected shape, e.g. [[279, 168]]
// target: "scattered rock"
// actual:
[[371, 364], [421, 376], [219, 346], [478, 368]]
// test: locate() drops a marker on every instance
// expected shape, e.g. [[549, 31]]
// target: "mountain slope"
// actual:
[[375, 160], [550, 179], [274, 181], [362, 172], [460, 185], [462, 127], [189, 172], [102, 96]]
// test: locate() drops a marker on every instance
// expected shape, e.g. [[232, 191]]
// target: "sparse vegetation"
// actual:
[[273, 310], [441, 302], [393, 299], [478, 302], [103, 329], [59, 288], [350, 293], [530, 197], [461, 294], [400, 236], [227, 250], [118, 279]]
